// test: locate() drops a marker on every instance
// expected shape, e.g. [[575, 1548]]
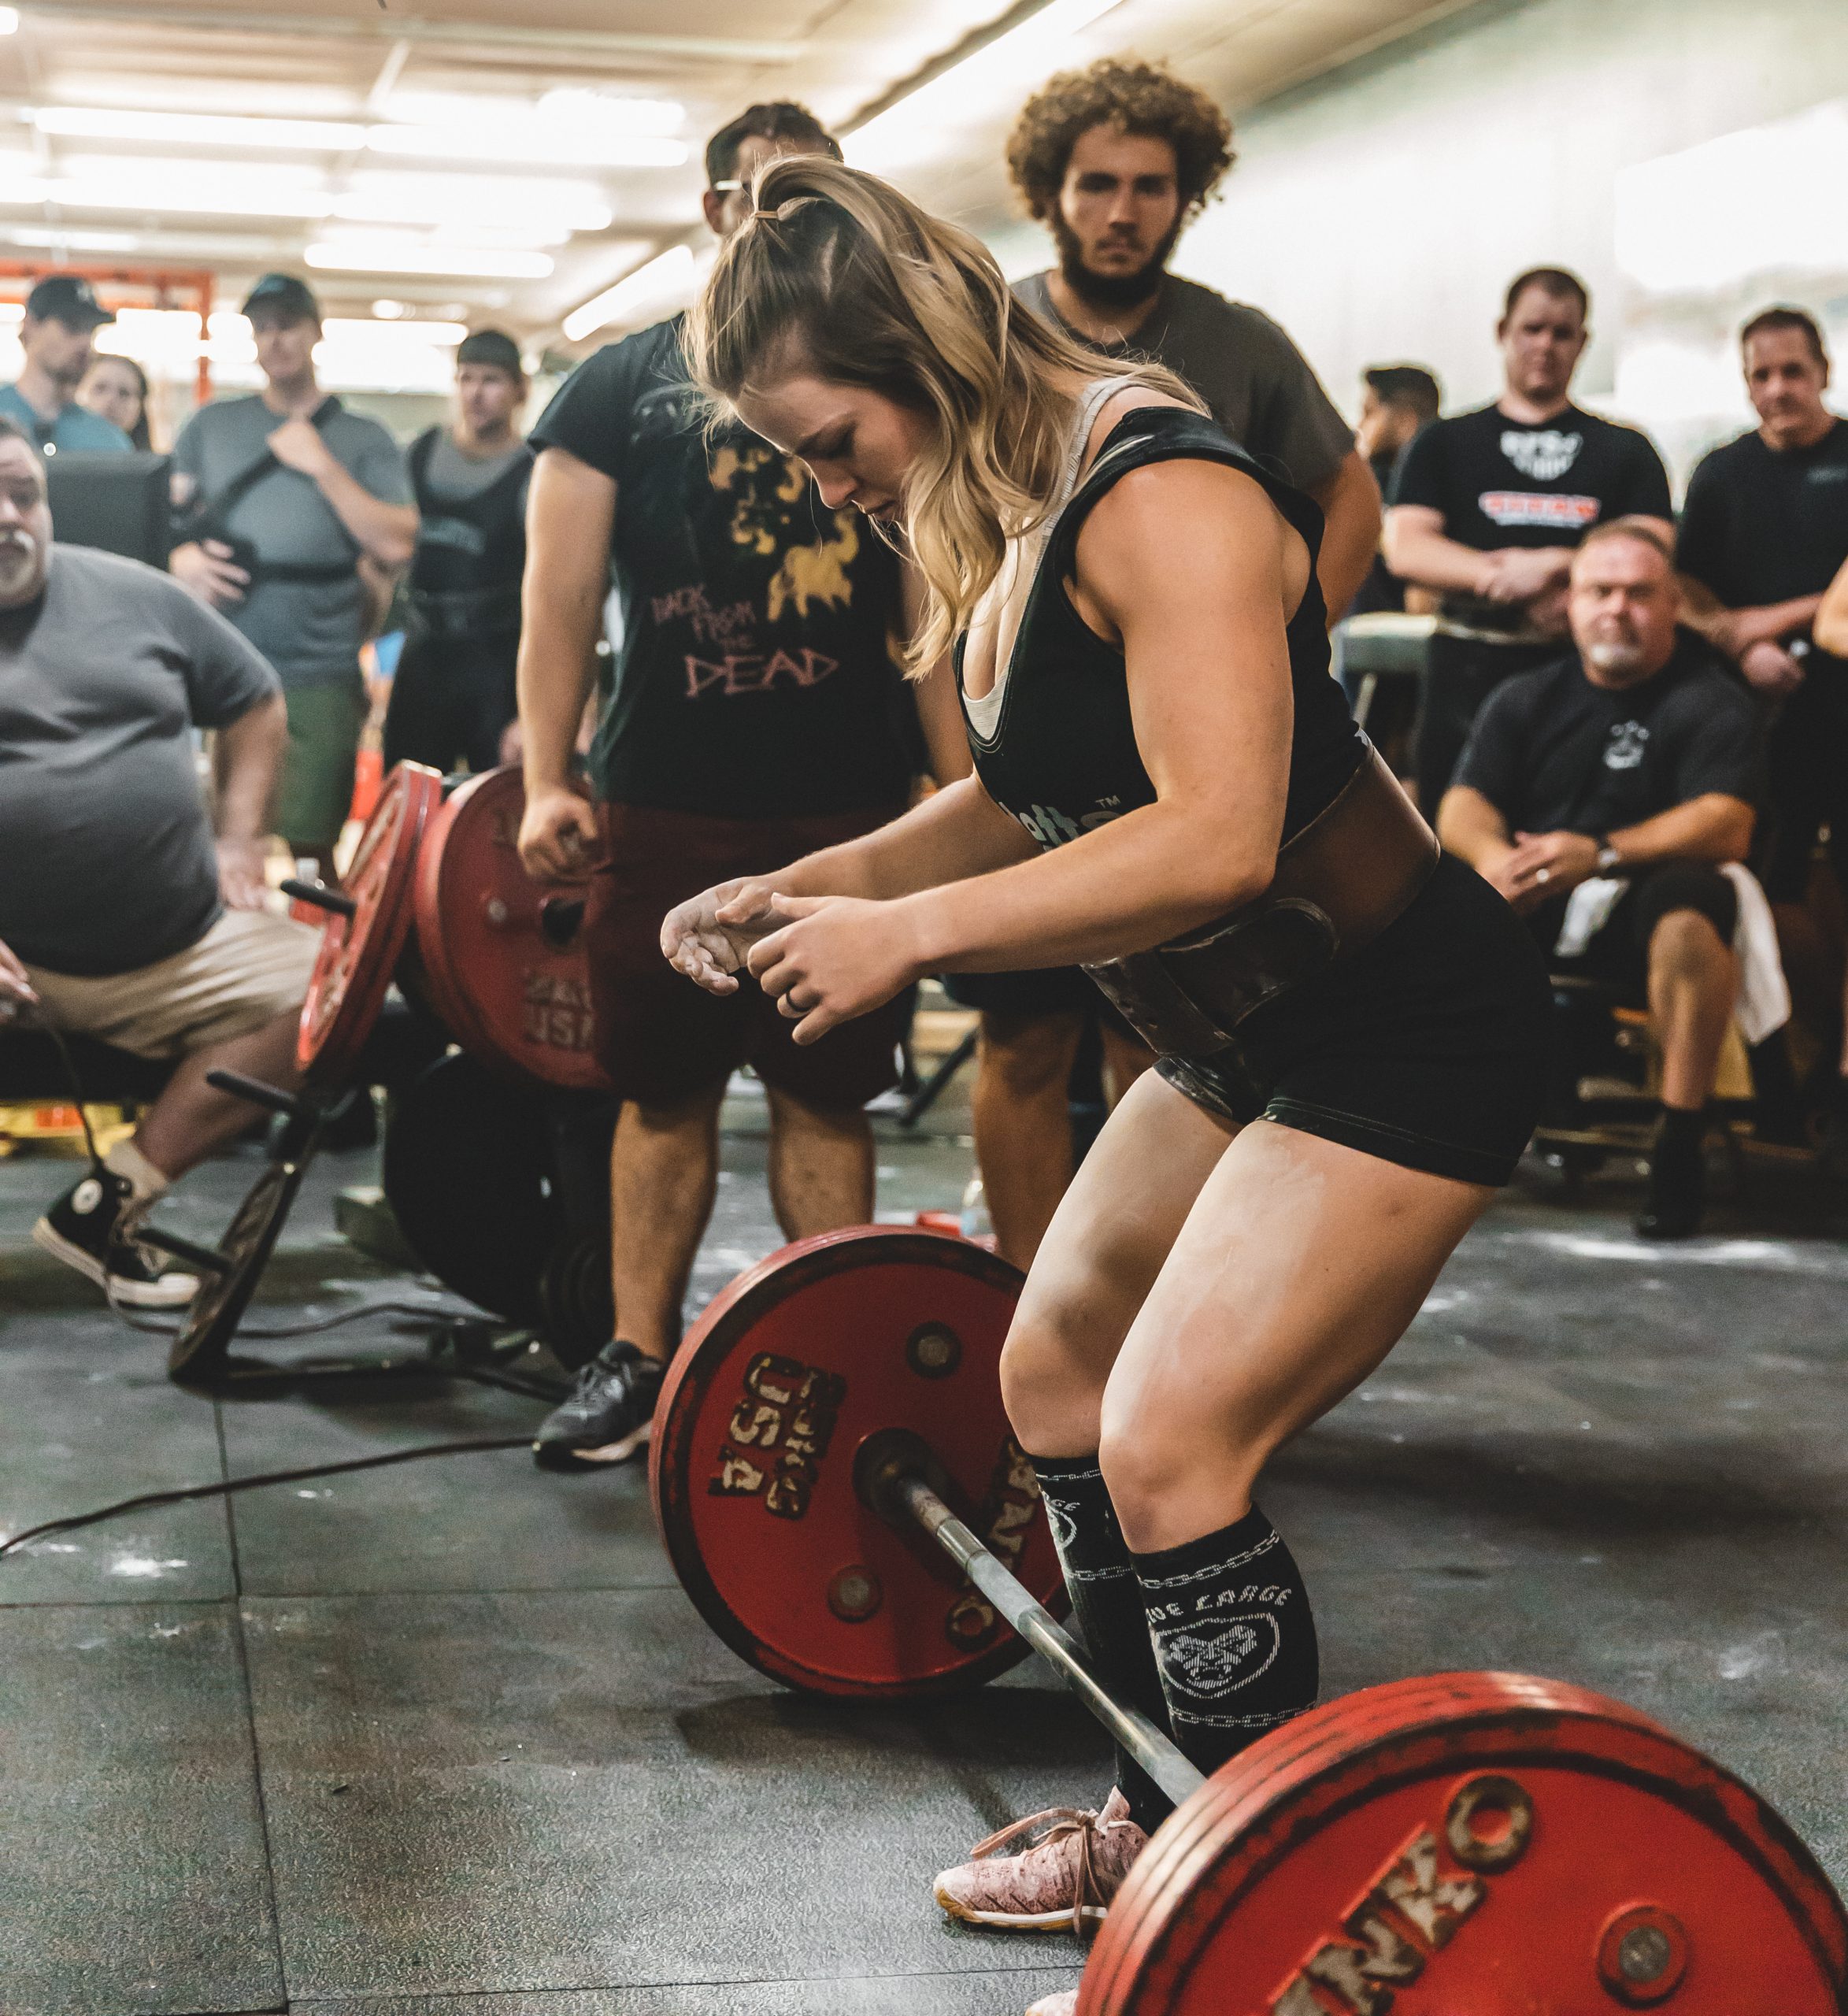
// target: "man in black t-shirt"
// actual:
[[1763, 533], [1487, 507], [758, 712], [1632, 761]]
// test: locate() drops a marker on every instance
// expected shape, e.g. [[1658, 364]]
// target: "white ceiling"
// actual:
[[474, 70]]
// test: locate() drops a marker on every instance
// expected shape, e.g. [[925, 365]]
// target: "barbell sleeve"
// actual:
[[1042, 1630]]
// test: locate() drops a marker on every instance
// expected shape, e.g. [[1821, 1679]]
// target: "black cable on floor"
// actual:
[[225, 1488]]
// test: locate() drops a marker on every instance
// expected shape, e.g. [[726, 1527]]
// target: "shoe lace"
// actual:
[[1060, 1822]]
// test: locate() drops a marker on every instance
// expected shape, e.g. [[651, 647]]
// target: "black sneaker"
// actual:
[[1677, 1186], [608, 1419], [91, 1227]]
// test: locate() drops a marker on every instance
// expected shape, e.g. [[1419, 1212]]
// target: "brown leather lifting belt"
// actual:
[[1350, 872]]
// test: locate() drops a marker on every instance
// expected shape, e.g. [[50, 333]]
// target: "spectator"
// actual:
[[300, 511], [452, 700], [1486, 507], [1116, 161], [114, 389], [59, 336], [1764, 532], [1399, 400], [1631, 763], [136, 924]]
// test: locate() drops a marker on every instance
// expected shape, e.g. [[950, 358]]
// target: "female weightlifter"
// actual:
[[1351, 1029]]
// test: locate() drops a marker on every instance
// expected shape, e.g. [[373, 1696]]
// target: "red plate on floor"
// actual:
[[503, 956], [1472, 1845], [353, 967], [785, 1377]]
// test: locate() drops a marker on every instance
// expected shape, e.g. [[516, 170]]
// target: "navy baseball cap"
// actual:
[[68, 299], [283, 297]]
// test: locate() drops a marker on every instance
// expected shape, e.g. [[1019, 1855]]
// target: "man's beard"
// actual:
[[1109, 292], [1619, 655]]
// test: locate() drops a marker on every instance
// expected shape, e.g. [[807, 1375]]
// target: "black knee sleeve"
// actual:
[[1234, 1641], [1107, 1605]]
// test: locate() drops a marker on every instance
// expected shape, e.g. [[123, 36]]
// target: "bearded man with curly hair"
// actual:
[[1117, 159]]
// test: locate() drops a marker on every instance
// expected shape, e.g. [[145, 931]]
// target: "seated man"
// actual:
[[1632, 761], [121, 917]]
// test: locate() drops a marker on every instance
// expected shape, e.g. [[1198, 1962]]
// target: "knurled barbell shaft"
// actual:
[[1042, 1630]]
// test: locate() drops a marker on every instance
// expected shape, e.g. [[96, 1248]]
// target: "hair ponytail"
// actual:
[[837, 273]]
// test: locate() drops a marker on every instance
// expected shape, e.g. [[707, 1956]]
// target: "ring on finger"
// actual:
[[1542, 874]]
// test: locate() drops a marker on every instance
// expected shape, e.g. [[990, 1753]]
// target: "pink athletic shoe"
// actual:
[[1062, 1882], [1064, 2003]]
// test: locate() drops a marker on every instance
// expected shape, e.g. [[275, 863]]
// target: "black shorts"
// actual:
[[1430, 1049], [451, 703], [1618, 952], [660, 1038], [1805, 782]]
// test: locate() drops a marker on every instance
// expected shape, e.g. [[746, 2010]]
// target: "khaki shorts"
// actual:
[[325, 720], [250, 967]]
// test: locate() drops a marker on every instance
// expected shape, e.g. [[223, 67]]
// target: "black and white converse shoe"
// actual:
[[91, 1227], [609, 1418]]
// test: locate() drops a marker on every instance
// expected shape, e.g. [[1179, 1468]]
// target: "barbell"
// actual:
[[842, 1498]]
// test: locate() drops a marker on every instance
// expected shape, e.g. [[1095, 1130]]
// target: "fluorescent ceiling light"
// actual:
[[454, 198], [511, 210], [354, 328], [522, 141], [591, 111], [209, 129], [423, 256], [45, 238], [9, 21], [663, 279], [140, 199], [1000, 69]]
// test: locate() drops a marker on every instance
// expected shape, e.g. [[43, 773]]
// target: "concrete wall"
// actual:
[[1378, 211]]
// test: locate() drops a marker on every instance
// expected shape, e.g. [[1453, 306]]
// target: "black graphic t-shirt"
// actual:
[[756, 678], [1554, 754], [1501, 482], [1764, 524]]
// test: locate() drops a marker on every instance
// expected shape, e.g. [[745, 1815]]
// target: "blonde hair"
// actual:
[[838, 273]]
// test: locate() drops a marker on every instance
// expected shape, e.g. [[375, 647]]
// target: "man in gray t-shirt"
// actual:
[[294, 499], [1116, 161], [123, 915]]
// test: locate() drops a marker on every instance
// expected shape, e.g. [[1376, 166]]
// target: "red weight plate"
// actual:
[[503, 956], [353, 967], [1484, 1843], [786, 1376]]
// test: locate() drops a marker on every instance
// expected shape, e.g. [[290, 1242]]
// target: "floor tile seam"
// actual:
[[1041, 1964], [230, 1598]]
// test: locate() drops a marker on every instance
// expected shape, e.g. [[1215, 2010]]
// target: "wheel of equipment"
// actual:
[[503, 958], [199, 1350], [467, 1168], [1476, 1844], [368, 921], [787, 1375], [577, 1303]]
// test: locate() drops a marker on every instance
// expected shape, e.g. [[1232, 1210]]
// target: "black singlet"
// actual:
[[1063, 759]]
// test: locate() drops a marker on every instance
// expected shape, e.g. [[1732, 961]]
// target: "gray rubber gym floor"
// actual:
[[445, 1738]]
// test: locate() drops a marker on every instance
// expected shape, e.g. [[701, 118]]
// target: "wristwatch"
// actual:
[[1608, 857]]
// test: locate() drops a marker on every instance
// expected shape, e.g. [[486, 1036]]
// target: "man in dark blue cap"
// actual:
[[300, 509], [59, 336]]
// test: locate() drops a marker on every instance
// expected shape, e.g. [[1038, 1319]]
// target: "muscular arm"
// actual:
[[1417, 551], [1185, 563], [933, 690], [1735, 631], [1350, 506], [1714, 827]]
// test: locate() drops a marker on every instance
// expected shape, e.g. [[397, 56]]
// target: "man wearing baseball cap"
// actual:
[[59, 336], [299, 510], [453, 699]]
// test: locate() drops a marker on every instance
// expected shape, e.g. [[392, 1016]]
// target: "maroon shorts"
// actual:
[[662, 1038]]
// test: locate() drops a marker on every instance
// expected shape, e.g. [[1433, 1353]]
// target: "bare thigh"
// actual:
[[1297, 1270], [1101, 1255]]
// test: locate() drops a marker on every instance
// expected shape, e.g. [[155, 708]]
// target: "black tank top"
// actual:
[[471, 546], [1063, 757]]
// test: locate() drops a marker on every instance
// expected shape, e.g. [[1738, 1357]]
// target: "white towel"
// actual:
[[1763, 1003], [1764, 995]]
